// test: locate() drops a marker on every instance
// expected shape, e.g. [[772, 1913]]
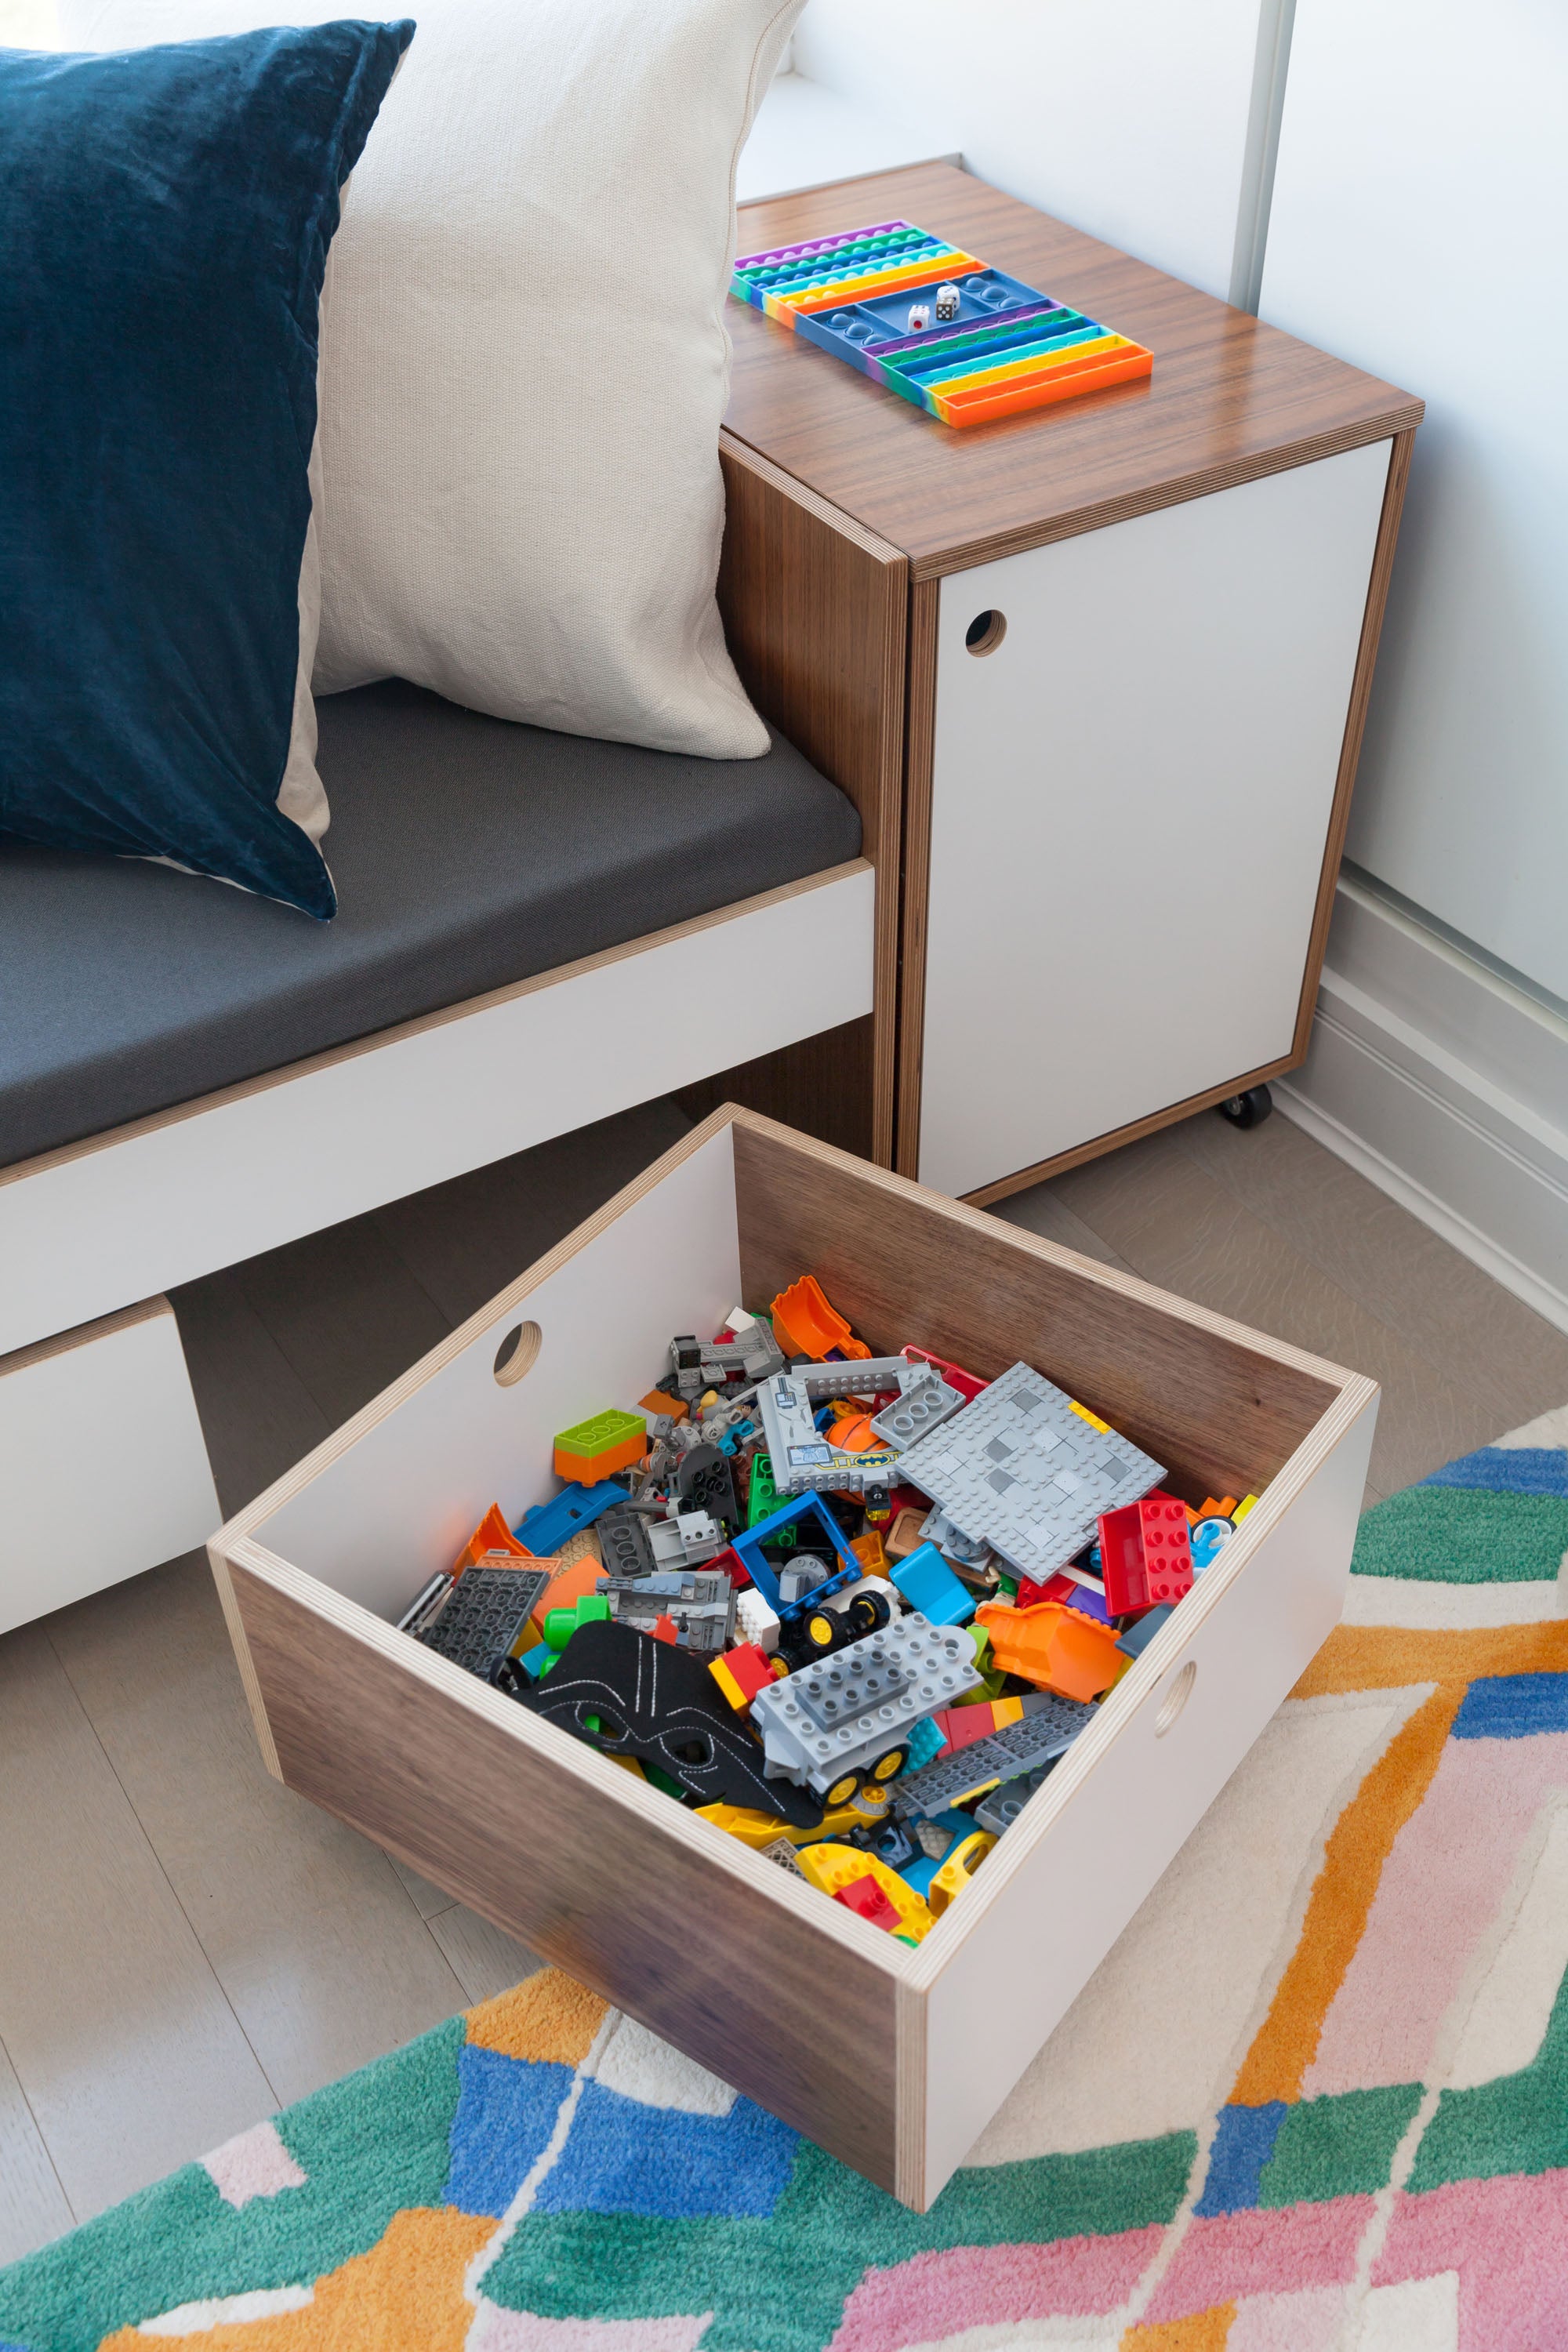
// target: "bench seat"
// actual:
[[467, 852]]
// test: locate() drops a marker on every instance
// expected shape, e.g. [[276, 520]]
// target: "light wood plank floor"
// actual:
[[186, 1946]]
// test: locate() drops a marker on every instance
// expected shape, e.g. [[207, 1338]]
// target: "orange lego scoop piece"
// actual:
[[1057, 1649], [805, 1324], [492, 1534]]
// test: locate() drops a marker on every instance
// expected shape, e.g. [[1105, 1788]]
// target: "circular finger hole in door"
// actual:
[[1176, 1698], [518, 1353], [985, 632]]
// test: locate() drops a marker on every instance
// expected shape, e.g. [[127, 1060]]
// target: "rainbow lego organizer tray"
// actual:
[[935, 324]]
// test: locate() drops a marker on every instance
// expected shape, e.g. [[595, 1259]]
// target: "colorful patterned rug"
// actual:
[[1316, 2098]]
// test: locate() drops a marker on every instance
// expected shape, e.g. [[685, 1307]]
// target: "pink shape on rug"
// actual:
[[1507, 2240], [255, 2164], [1228, 2255], [496, 2329], [937, 2294], [1305, 2322], [1439, 1892]]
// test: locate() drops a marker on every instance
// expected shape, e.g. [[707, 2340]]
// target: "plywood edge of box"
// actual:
[[393, 1738]]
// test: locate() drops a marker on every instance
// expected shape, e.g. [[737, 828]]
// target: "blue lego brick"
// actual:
[[546, 1527], [928, 1585], [926, 1744], [810, 1518], [923, 1868]]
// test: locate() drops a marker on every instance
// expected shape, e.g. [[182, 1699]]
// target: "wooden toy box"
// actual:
[[891, 2057]]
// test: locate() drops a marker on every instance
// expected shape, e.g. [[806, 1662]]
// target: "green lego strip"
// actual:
[[763, 1499], [606, 1429]]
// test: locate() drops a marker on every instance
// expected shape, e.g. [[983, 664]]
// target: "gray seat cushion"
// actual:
[[467, 851]]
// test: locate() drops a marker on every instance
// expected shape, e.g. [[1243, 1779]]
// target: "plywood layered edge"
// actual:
[[793, 2001]]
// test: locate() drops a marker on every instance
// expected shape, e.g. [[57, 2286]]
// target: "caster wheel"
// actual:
[[1249, 1110]]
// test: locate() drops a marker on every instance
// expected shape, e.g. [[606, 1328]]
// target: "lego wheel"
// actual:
[[823, 1631], [1249, 1109], [887, 1766], [868, 1613], [843, 1789]]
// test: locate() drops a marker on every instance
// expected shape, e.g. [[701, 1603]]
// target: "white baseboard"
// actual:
[[1449, 1090]]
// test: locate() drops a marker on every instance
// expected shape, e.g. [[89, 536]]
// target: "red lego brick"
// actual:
[[865, 1897], [1058, 1588], [959, 1726], [1145, 1555]]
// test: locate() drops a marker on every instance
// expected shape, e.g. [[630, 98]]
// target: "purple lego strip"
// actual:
[[822, 245], [961, 327]]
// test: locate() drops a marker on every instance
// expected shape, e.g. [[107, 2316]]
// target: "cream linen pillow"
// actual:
[[524, 360]]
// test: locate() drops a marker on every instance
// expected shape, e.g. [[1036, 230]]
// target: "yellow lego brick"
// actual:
[[959, 1868], [832, 1866], [759, 1830], [1093, 1420]]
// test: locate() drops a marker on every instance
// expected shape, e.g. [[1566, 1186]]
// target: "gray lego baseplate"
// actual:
[[848, 1710], [803, 1460], [1018, 1748], [1020, 1470], [482, 1615]]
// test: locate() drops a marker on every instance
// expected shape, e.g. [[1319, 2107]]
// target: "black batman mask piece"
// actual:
[[628, 1694]]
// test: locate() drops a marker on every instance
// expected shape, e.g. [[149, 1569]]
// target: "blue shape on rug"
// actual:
[[1513, 1706], [624, 2156], [506, 2112], [1507, 1470], [1243, 2146]]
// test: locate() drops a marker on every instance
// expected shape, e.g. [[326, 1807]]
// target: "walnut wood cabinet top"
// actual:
[[1229, 398]]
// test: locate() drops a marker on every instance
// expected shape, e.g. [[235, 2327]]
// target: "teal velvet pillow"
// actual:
[[164, 219]]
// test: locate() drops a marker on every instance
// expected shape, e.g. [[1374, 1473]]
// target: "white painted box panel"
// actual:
[[1131, 803], [103, 1469]]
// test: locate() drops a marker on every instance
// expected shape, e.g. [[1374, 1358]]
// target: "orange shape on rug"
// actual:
[[404, 2295], [548, 2016], [1200, 2331]]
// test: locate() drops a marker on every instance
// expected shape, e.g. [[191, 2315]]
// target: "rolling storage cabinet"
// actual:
[[1125, 690], [893, 2058]]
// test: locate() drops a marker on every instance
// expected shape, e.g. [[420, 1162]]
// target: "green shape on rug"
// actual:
[[180, 2242], [1516, 2123], [780, 2284], [1462, 1535], [1340, 2146]]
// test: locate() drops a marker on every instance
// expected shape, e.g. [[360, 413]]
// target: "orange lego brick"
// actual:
[[1059, 1649], [656, 1400], [871, 1552], [569, 1580]]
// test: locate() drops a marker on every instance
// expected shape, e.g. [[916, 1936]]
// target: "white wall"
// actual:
[[1420, 205], [1128, 117]]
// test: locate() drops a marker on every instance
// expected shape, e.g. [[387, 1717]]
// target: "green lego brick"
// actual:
[[597, 1435], [763, 1499]]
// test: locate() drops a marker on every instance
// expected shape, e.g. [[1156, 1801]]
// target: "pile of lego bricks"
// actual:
[[935, 324], [850, 1609]]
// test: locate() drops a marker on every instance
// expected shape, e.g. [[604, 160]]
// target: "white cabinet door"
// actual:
[[1131, 799]]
